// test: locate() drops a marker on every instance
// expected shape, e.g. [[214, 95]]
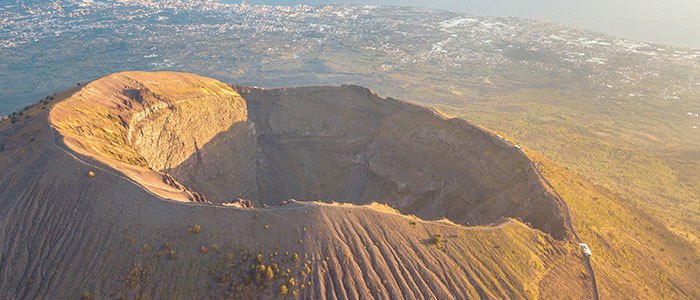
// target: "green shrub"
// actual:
[[87, 295], [196, 228], [136, 276], [284, 290], [438, 241]]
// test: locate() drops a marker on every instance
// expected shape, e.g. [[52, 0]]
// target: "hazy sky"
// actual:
[[675, 22]]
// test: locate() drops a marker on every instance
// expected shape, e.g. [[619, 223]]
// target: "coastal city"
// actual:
[[464, 55]]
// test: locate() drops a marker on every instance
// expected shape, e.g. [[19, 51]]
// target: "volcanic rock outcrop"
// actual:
[[148, 138]]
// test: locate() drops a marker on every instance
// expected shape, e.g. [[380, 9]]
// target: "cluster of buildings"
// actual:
[[240, 41]]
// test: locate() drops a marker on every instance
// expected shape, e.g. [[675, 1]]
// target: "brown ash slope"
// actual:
[[151, 138]]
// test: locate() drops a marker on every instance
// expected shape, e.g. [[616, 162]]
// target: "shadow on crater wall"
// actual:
[[346, 144]]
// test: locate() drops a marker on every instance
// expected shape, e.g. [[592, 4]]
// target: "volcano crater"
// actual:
[[190, 138]]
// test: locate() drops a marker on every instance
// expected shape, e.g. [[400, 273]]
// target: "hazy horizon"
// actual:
[[673, 22]]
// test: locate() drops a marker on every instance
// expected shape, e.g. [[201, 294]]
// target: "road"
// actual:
[[594, 285], [590, 270]]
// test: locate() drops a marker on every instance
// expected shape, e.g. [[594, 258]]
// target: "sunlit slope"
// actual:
[[634, 255], [645, 159], [143, 123]]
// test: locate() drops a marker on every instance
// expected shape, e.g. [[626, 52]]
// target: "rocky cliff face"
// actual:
[[347, 144], [143, 123]]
